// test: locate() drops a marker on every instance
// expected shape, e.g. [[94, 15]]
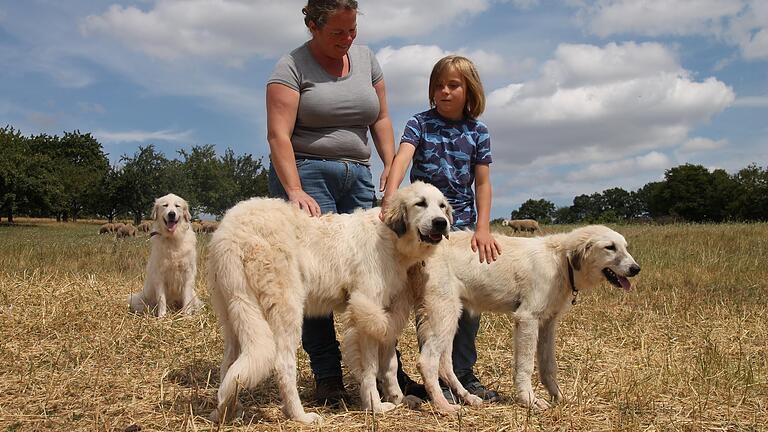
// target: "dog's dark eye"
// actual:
[[442, 205], [178, 206], [165, 205], [422, 203], [611, 247]]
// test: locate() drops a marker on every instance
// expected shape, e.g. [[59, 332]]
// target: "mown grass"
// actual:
[[686, 350]]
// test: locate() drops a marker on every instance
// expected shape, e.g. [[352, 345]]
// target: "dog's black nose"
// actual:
[[439, 224], [172, 215], [634, 269]]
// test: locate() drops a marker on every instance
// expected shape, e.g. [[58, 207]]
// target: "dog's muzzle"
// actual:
[[171, 222], [621, 281], [437, 230]]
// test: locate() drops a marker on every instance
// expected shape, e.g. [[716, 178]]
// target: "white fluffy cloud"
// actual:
[[142, 136], [232, 30], [594, 104], [407, 69], [743, 23], [235, 30]]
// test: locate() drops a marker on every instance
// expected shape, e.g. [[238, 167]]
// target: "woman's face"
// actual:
[[335, 38]]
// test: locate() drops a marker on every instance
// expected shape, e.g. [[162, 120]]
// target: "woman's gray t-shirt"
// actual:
[[334, 112]]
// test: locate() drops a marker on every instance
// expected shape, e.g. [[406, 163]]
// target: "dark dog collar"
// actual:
[[574, 291]]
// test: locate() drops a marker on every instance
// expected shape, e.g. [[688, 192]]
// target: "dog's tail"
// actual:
[[368, 317]]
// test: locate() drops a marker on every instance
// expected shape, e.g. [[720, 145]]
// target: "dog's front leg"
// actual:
[[369, 394], [189, 301], [545, 353], [526, 337], [162, 305], [387, 376]]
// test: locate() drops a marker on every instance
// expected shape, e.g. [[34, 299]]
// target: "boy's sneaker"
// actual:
[[330, 391], [473, 385]]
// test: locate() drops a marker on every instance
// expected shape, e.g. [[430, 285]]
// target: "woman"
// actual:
[[322, 99]]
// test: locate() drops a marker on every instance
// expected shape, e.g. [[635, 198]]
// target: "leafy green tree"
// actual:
[[249, 176], [565, 215], [207, 184], [80, 165], [27, 178], [105, 201], [688, 193], [540, 210], [618, 202], [751, 193]]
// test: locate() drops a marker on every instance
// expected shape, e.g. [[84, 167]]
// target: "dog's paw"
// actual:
[[540, 405], [473, 400], [384, 407], [447, 408], [557, 398], [396, 398], [309, 418]]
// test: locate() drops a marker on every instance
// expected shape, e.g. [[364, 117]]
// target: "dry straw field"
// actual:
[[685, 350]]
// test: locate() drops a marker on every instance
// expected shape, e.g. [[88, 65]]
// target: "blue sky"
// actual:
[[583, 95]]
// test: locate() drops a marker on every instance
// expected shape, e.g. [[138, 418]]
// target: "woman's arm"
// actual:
[[383, 136], [483, 242], [282, 106]]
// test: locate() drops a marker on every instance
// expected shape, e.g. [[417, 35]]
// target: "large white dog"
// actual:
[[172, 264], [535, 280], [270, 264]]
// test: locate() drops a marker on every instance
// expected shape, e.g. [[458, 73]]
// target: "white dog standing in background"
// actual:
[[172, 264], [535, 281]]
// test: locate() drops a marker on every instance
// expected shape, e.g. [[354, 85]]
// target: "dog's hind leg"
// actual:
[[526, 336], [254, 362], [545, 354]]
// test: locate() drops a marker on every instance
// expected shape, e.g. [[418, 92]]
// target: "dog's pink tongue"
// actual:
[[436, 237], [625, 283], [171, 226]]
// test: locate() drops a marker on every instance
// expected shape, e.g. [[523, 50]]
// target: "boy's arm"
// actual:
[[397, 171], [483, 242]]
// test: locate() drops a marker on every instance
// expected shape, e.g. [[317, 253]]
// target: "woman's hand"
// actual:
[[304, 201], [384, 177], [486, 246]]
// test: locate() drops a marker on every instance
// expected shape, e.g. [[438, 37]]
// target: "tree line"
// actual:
[[69, 177], [688, 193]]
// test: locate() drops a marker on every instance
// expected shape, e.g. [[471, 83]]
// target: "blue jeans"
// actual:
[[338, 187]]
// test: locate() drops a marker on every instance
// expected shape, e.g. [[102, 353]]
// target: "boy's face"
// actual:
[[450, 94]]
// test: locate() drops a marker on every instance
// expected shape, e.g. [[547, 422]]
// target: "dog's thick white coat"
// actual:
[[529, 281], [172, 264], [270, 264]]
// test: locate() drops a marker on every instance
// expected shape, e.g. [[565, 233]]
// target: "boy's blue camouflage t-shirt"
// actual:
[[446, 154]]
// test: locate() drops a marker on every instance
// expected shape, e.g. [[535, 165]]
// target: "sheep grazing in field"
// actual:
[[145, 226], [107, 228], [528, 225], [209, 226], [126, 231], [197, 227]]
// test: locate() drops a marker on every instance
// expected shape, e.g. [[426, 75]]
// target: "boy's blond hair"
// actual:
[[475, 95]]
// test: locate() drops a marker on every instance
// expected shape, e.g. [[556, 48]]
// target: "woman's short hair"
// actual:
[[475, 95], [318, 11]]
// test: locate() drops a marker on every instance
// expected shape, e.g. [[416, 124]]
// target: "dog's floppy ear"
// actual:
[[154, 211], [448, 213], [395, 215], [187, 215], [577, 255]]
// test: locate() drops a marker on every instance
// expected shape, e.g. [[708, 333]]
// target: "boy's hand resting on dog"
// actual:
[[486, 246]]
